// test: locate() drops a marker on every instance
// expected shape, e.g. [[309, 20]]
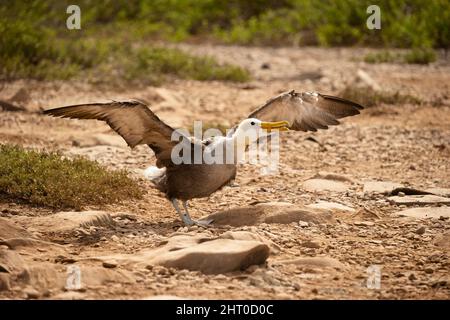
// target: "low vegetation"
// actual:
[[413, 56], [114, 62], [369, 97], [48, 179], [117, 38], [420, 56]]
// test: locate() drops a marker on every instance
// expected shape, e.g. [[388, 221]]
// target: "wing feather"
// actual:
[[132, 120], [306, 111]]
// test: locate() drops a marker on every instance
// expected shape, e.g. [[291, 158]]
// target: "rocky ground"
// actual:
[[347, 202]]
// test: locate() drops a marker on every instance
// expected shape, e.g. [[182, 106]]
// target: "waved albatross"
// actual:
[[137, 124]]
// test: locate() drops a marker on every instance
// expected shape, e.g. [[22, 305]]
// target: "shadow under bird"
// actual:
[[137, 124]]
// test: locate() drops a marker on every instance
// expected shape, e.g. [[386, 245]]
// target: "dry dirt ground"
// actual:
[[310, 258]]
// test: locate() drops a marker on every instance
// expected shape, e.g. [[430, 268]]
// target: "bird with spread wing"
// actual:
[[137, 124]]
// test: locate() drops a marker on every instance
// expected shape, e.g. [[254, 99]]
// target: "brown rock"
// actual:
[[443, 241], [429, 270], [311, 244], [16, 243], [10, 261], [272, 212], [109, 264], [10, 230], [217, 256], [428, 212], [70, 295], [5, 284], [249, 236], [31, 293], [97, 276], [68, 221], [109, 140], [419, 200], [384, 187], [318, 185], [443, 192], [199, 253], [420, 231], [330, 206], [314, 262]]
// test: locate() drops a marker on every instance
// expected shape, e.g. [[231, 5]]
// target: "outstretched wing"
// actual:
[[133, 120], [306, 111]]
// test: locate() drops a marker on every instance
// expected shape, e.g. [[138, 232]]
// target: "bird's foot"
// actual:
[[201, 223]]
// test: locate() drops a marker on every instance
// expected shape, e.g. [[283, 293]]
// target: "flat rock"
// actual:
[[419, 200], [99, 139], [199, 253], [31, 293], [443, 192], [318, 185], [45, 276], [331, 206], [314, 262], [5, 283], [70, 295], [443, 241], [384, 187], [71, 220], [311, 244], [433, 212], [9, 230], [96, 276], [50, 276], [271, 212], [11, 261], [20, 243], [216, 256], [250, 236], [333, 176], [110, 140]]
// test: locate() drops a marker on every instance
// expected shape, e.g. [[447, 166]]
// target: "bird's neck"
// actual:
[[238, 145]]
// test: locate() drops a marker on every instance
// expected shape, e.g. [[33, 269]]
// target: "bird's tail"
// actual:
[[153, 173]]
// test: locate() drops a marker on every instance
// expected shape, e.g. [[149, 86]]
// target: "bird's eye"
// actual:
[[252, 123]]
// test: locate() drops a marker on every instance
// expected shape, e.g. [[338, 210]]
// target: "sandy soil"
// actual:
[[406, 144]]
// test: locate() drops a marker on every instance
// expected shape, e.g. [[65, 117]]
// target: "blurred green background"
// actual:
[[34, 40]]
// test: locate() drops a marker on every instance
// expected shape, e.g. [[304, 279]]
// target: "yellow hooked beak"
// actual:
[[279, 125]]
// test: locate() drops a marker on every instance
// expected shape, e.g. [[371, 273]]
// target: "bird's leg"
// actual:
[[183, 215], [201, 223]]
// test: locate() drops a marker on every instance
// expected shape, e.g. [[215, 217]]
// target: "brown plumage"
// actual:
[[306, 111], [132, 120], [137, 124]]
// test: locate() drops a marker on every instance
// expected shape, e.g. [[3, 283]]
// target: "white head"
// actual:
[[250, 130]]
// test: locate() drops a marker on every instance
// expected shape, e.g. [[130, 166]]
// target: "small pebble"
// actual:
[[31, 293], [429, 270], [109, 264], [420, 231], [303, 224]]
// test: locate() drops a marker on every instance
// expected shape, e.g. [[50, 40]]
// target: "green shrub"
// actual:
[[413, 56], [420, 56], [381, 57], [369, 97], [48, 179], [35, 42]]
